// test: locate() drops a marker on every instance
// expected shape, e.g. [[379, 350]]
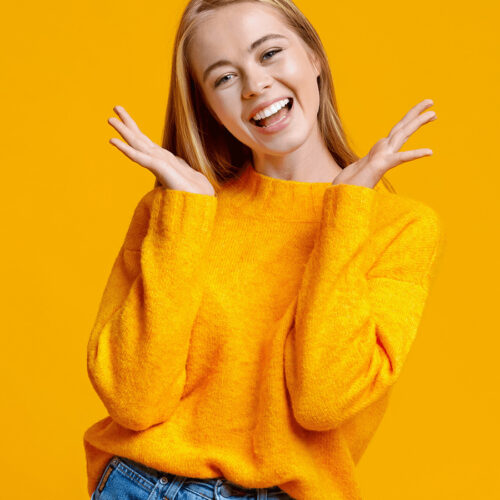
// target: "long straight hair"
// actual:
[[192, 132]]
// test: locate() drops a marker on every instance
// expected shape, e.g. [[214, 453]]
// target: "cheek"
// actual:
[[226, 113], [300, 77], [229, 115]]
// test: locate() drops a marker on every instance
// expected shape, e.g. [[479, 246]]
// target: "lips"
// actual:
[[275, 124], [266, 104], [287, 106]]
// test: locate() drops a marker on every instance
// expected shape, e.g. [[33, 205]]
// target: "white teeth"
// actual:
[[270, 110]]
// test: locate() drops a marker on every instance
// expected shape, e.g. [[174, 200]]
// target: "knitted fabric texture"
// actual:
[[256, 335]]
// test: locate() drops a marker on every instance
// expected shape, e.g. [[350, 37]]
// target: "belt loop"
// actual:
[[170, 489], [261, 493], [217, 487]]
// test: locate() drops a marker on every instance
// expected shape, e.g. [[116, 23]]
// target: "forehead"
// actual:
[[227, 32]]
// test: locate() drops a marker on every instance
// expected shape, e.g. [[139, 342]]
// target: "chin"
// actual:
[[284, 143]]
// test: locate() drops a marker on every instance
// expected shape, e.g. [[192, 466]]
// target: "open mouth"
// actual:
[[276, 117]]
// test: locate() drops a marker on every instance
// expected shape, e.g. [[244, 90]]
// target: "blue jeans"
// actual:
[[125, 479]]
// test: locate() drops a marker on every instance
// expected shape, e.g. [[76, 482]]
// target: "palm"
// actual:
[[171, 170], [385, 154]]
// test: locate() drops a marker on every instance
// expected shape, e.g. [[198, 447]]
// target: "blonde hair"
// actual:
[[192, 132]]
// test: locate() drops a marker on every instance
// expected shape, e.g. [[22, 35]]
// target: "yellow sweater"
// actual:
[[256, 335]]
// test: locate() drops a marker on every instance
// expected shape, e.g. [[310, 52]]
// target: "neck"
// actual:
[[311, 162]]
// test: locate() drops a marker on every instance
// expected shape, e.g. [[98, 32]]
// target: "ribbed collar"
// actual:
[[267, 197]]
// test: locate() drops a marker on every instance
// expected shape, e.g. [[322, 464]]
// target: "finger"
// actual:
[[404, 156], [130, 123], [413, 113], [139, 157], [126, 118], [129, 135], [397, 139]]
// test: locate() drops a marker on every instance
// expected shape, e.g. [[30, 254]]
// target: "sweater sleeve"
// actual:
[[138, 346], [360, 302]]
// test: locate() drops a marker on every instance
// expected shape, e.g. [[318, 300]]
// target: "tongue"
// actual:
[[274, 118]]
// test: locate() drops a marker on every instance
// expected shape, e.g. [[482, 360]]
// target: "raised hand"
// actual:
[[171, 170], [385, 154]]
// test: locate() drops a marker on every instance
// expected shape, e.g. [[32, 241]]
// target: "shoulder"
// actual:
[[394, 207]]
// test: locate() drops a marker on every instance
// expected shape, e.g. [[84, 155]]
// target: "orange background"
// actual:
[[68, 196]]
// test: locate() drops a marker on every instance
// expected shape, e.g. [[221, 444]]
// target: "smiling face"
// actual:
[[243, 56]]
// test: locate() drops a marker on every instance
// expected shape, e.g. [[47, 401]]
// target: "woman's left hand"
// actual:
[[385, 154]]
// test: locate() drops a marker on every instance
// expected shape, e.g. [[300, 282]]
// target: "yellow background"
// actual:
[[68, 196]]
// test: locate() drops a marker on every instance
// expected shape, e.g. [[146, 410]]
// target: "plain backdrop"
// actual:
[[68, 195]]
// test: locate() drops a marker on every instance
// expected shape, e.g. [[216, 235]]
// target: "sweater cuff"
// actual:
[[348, 206], [176, 211]]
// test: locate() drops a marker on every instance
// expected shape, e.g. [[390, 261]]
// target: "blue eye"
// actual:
[[273, 51], [222, 79]]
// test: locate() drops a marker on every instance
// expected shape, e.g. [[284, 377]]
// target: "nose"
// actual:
[[256, 81]]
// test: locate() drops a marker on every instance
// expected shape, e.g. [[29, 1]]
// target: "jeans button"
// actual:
[[114, 461], [164, 480]]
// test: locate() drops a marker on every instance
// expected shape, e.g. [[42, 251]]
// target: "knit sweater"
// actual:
[[256, 334]]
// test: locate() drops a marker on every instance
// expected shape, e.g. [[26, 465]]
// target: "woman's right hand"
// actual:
[[170, 170]]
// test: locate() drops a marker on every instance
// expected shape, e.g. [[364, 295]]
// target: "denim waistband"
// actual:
[[154, 474]]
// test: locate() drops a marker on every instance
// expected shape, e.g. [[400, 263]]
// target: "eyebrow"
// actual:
[[252, 47]]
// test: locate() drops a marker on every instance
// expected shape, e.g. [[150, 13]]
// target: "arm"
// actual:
[[360, 302], [139, 343]]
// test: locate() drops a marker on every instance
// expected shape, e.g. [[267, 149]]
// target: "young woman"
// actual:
[[269, 286]]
